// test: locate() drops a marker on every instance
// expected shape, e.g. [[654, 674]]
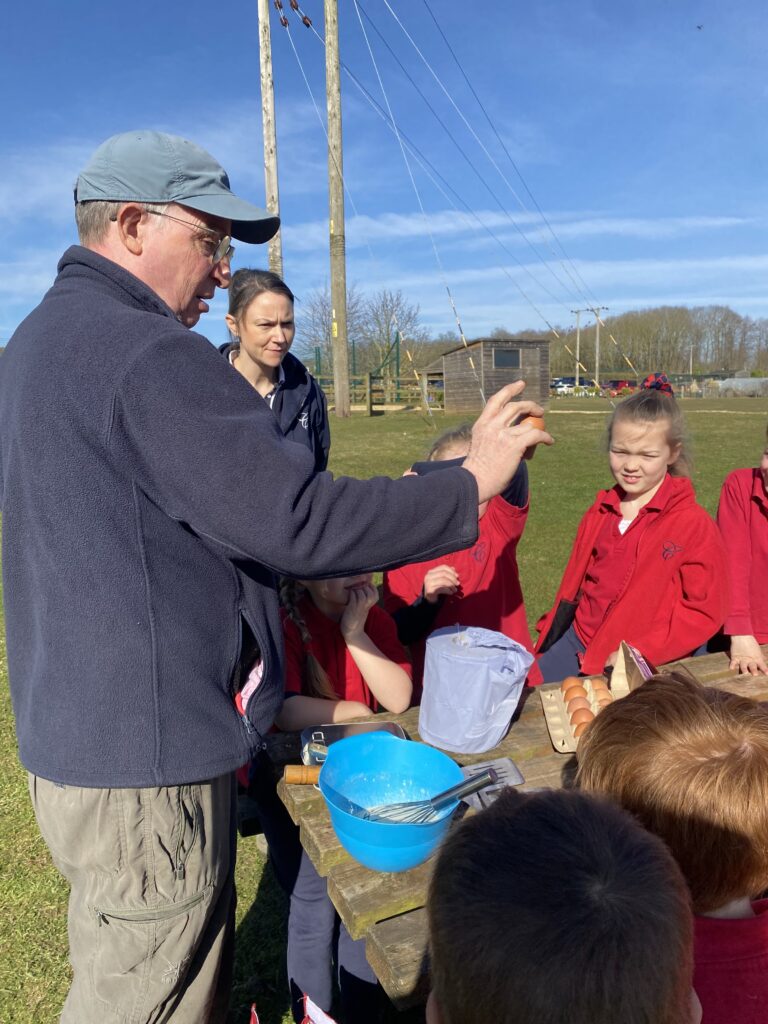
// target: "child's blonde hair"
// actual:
[[316, 681], [691, 763], [450, 439], [652, 406]]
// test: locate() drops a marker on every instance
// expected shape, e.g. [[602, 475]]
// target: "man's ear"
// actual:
[[433, 1015], [130, 226]]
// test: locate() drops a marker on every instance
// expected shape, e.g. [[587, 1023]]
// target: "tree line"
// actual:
[[674, 339]]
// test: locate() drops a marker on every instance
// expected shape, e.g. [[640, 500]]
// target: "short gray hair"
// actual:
[[93, 216]]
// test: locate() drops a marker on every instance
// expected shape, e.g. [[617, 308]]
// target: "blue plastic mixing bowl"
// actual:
[[377, 768]]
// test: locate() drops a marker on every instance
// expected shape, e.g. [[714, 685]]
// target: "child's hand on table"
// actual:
[[746, 656]]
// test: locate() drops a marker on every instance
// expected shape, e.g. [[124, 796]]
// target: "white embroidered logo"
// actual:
[[304, 420]]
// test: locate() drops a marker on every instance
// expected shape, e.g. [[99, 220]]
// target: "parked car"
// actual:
[[560, 386]]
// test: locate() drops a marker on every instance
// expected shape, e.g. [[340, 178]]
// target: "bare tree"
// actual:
[[313, 324], [389, 316], [373, 324]]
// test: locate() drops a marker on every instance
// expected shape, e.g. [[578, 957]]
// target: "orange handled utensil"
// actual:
[[301, 774]]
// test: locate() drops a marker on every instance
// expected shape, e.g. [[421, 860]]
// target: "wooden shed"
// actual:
[[496, 361]]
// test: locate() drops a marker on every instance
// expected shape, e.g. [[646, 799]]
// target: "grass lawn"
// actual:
[[33, 965]]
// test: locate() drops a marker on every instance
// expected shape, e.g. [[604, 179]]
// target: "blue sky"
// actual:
[[640, 136]]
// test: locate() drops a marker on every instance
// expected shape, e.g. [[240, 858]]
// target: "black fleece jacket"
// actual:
[[148, 499]]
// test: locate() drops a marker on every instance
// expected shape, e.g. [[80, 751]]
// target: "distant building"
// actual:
[[486, 365]]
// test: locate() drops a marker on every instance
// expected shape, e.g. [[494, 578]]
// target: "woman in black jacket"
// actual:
[[260, 320]]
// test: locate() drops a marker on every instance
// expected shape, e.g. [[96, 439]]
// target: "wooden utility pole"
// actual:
[[578, 313], [597, 310], [336, 202], [275, 245]]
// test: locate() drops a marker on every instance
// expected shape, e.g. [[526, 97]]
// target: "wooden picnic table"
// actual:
[[387, 909]]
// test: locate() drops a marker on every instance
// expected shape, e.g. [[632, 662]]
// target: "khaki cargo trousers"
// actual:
[[152, 901]]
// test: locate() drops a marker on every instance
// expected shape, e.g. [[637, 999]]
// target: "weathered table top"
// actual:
[[387, 909]]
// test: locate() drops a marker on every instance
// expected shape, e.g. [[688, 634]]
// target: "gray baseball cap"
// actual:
[[153, 167]]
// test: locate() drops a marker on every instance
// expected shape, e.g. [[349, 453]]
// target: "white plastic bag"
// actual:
[[473, 679]]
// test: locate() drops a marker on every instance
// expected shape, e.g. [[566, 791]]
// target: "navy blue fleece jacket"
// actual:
[[148, 499], [300, 407]]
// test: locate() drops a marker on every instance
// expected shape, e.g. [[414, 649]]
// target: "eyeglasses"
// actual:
[[223, 250]]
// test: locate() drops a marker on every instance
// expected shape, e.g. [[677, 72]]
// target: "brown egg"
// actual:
[[532, 421], [580, 728], [582, 715], [568, 682], [577, 702], [574, 691], [603, 703]]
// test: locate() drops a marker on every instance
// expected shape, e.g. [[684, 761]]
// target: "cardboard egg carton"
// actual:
[[631, 670]]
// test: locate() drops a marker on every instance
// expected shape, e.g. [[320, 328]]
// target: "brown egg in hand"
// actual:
[[531, 421]]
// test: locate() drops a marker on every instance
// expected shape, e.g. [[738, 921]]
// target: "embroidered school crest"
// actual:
[[670, 549], [480, 551]]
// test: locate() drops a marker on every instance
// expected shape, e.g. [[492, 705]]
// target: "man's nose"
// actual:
[[221, 273]]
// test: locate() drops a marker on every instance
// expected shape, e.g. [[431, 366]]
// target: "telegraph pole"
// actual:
[[275, 245], [578, 313], [336, 203], [596, 311]]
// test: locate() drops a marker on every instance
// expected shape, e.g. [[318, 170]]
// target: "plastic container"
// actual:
[[473, 679], [379, 768]]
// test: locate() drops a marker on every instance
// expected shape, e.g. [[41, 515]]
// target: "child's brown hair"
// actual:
[[651, 406], [316, 681], [460, 437], [556, 907], [691, 763]]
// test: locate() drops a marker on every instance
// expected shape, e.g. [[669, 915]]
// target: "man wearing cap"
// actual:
[[148, 499]]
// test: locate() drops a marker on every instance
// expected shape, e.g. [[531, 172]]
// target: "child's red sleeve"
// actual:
[[733, 522], [702, 603]]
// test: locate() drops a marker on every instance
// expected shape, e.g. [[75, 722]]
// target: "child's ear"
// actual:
[[433, 1015], [675, 454]]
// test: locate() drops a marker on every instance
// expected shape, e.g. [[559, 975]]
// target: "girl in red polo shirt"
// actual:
[[742, 516], [648, 565], [343, 660]]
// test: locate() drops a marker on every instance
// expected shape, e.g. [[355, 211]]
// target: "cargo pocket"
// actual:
[[142, 954]]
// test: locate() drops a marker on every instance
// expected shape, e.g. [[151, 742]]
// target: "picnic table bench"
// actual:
[[387, 909]]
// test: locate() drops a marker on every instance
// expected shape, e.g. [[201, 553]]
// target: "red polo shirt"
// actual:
[[612, 563], [489, 595], [330, 648], [730, 974]]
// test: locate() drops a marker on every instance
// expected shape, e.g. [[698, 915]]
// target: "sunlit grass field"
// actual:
[[33, 964]]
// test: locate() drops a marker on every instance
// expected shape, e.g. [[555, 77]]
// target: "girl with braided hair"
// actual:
[[343, 660], [343, 657]]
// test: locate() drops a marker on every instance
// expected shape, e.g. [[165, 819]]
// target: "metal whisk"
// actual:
[[422, 812]]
